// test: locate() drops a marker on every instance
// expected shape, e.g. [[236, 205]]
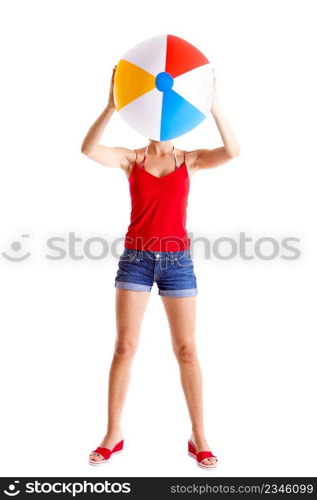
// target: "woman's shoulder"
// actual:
[[187, 157], [139, 154], [136, 156]]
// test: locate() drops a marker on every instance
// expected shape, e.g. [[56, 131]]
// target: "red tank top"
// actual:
[[158, 210]]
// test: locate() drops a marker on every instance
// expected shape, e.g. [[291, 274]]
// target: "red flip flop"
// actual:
[[106, 453], [200, 456]]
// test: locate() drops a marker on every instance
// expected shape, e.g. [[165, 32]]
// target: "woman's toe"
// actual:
[[210, 461]]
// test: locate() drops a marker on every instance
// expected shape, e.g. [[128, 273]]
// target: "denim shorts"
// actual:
[[173, 272]]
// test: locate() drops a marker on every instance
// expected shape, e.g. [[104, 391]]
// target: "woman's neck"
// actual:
[[160, 148]]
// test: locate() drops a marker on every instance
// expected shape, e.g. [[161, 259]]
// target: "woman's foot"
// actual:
[[202, 445], [109, 441]]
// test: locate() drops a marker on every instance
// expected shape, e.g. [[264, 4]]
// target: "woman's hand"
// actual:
[[231, 147], [111, 103], [214, 105]]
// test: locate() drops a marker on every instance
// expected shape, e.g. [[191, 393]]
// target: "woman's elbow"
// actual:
[[235, 152], [85, 150]]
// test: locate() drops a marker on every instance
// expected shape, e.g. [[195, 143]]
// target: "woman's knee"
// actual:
[[186, 352], [125, 348]]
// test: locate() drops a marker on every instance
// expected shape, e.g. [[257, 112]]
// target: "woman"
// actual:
[[157, 249]]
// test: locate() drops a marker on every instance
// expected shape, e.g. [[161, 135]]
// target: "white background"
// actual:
[[256, 320]]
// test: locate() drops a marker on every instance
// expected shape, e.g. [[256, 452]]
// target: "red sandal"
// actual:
[[106, 453], [200, 456]]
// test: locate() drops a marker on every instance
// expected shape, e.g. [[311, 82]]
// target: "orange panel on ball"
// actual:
[[130, 83]]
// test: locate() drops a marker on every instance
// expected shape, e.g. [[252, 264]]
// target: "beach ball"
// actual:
[[163, 87]]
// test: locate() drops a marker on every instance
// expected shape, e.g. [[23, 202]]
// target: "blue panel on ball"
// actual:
[[178, 116]]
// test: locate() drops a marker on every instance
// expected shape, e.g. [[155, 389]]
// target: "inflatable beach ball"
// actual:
[[163, 87]]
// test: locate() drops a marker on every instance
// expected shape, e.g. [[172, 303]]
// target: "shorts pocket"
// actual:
[[184, 260], [128, 255]]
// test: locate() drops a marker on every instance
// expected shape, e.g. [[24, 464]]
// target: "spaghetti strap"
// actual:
[[145, 153], [179, 166], [176, 167], [135, 161]]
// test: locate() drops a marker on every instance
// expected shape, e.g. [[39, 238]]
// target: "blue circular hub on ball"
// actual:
[[164, 81]]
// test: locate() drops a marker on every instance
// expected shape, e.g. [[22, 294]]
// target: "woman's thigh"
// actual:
[[181, 315], [130, 307]]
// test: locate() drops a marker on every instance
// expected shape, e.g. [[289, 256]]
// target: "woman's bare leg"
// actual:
[[130, 308], [181, 315]]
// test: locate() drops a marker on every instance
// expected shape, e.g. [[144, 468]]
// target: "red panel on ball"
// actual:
[[182, 56]]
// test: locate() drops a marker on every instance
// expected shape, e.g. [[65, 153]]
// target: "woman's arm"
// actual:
[[115, 156], [208, 158]]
